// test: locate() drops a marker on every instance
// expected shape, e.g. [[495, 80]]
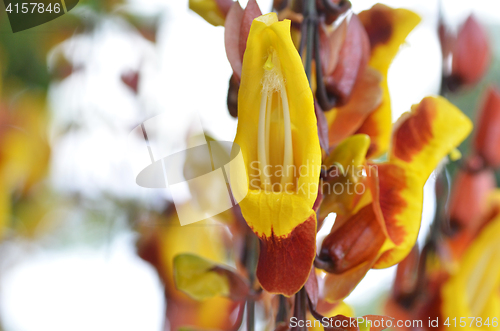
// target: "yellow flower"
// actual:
[[209, 10], [387, 29], [421, 139], [162, 243], [24, 152], [475, 289], [278, 137]]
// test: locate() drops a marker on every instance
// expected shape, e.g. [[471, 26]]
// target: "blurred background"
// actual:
[[73, 89]]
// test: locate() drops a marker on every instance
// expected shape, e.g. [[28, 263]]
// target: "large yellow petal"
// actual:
[[422, 139], [387, 30], [425, 135], [475, 289], [205, 239], [278, 138], [343, 191], [279, 211], [350, 153], [209, 10], [195, 276]]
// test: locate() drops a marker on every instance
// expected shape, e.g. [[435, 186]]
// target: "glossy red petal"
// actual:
[[285, 262], [357, 241]]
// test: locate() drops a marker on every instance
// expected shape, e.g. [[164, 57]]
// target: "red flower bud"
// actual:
[[471, 54], [352, 61], [358, 240], [468, 199], [487, 138]]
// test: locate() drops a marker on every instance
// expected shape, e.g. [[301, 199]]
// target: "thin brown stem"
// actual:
[[251, 263], [310, 19], [300, 309]]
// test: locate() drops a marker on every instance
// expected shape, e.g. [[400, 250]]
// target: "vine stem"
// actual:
[[300, 309], [282, 310], [251, 264], [310, 19]]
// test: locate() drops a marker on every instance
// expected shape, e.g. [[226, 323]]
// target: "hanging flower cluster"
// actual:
[[309, 89], [454, 279]]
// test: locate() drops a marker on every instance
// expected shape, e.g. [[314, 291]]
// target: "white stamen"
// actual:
[[264, 178], [288, 154], [268, 125], [273, 82]]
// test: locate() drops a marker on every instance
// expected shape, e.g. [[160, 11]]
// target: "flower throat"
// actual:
[[275, 152]]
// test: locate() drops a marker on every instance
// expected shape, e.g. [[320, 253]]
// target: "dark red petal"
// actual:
[[358, 240], [285, 262]]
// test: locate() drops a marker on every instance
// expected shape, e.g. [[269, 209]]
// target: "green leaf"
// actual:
[[202, 279]]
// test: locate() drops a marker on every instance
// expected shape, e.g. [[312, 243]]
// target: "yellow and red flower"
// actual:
[[390, 221], [387, 29], [205, 307], [278, 137], [475, 289]]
